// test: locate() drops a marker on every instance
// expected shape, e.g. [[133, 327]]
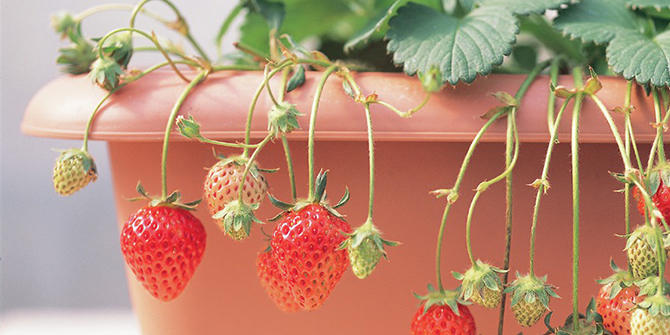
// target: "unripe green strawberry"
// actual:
[[73, 170], [640, 247], [481, 284], [643, 323], [366, 248], [528, 313]]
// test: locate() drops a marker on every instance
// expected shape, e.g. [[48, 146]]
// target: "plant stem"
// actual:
[[312, 126], [627, 187], [289, 166], [551, 103], [117, 6], [240, 67], [152, 38], [657, 146], [454, 193], [254, 100], [226, 144], [168, 128], [226, 24], [180, 19], [371, 157], [91, 118], [574, 149], [541, 187], [249, 164]]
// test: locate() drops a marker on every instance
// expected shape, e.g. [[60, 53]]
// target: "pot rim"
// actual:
[[139, 111]]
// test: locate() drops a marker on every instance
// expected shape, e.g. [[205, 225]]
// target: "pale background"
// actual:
[[62, 254]]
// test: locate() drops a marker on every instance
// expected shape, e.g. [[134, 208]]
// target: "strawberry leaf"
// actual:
[[376, 25], [596, 20], [645, 58], [524, 7], [658, 4], [461, 48], [272, 12]]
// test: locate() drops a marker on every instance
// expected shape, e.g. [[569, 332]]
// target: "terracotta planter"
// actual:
[[414, 156]]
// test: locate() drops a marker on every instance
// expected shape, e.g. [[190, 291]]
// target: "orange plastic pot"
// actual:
[[414, 156]]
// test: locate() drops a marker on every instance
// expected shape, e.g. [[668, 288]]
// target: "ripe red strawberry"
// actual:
[[657, 183], [305, 245], [274, 284], [163, 245], [616, 312], [441, 320], [223, 180]]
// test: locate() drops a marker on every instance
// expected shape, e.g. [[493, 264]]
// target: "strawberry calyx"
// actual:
[[531, 288], [283, 119], [441, 298], [659, 175], [319, 198], [477, 278], [649, 286], [172, 200], [646, 234], [236, 217], [590, 323], [619, 280], [657, 304], [365, 247], [88, 164]]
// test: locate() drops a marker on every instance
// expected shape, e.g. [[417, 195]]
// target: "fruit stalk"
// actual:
[[541, 187], [627, 145], [284, 140], [371, 157], [225, 25], [117, 6], [168, 129], [551, 102], [152, 38], [249, 164], [657, 145], [181, 25], [574, 149], [312, 126]]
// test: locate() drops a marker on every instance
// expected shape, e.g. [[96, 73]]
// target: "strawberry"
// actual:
[[531, 298], [366, 248], [441, 313], [223, 180], [657, 183], [616, 311], [652, 316], [616, 299], [481, 284], [163, 244], [306, 243], [74, 169], [641, 250], [274, 284]]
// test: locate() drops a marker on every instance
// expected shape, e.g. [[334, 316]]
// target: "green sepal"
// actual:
[[172, 200], [476, 278], [106, 73], [649, 286], [590, 323], [77, 57], [593, 84], [297, 79], [119, 47], [348, 90], [236, 216], [65, 24], [656, 305], [320, 186], [344, 199], [530, 288], [283, 119], [620, 279], [645, 233], [284, 206], [445, 297], [188, 127], [431, 80]]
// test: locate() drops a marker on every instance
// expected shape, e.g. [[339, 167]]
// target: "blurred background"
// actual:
[[61, 270]]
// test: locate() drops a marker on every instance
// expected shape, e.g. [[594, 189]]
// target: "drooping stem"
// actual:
[[661, 263], [152, 38], [254, 100], [542, 181], [574, 149], [181, 25], [89, 124], [225, 25], [168, 128], [249, 164], [312, 126], [551, 102], [371, 157], [453, 194], [627, 186], [289, 166], [483, 186], [118, 6], [657, 149]]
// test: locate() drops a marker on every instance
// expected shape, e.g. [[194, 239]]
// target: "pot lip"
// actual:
[[61, 107]]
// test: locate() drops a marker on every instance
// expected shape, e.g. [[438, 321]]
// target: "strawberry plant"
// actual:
[[442, 43]]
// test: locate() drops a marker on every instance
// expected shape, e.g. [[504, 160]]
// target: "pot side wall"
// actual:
[[224, 296]]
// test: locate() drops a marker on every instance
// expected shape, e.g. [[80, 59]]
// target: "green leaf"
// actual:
[[380, 21], [647, 59], [658, 4], [596, 20], [297, 79], [421, 38], [272, 12], [523, 7]]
